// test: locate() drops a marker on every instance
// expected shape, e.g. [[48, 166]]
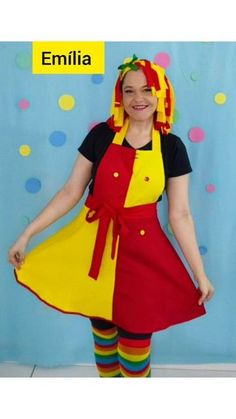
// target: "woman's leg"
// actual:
[[134, 351], [105, 337]]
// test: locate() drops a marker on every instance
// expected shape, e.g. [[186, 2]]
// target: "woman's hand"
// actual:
[[206, 288], [16, 254]]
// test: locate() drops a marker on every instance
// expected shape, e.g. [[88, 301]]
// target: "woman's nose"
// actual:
[[138, 96]]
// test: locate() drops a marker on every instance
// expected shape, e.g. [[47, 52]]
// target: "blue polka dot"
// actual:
[[203, 250], [57, 138], [97, 78], [33, 185]]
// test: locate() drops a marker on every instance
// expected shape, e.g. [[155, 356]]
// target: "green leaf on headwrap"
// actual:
[[130, 64]]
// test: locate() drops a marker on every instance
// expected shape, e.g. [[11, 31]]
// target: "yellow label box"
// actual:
[[68, 57]]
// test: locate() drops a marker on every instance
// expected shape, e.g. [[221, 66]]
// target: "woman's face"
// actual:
[[138, 100]]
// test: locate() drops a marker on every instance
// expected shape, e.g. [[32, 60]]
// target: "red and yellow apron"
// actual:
[[114, 261]]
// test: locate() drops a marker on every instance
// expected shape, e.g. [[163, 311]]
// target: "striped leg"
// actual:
[[105, 351], [134, 357]]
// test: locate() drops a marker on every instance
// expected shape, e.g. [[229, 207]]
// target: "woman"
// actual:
[[113, 263]]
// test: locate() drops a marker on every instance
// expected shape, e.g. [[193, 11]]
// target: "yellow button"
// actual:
[[91, 213], [115, 174], [142, 232]]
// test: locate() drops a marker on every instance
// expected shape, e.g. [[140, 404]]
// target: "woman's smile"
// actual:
[[139, 107], [138, 100]]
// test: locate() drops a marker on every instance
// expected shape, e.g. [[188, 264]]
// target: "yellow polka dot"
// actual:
[[115, 174], [142, 232], [220, 98], [66, 102], [25, 150]]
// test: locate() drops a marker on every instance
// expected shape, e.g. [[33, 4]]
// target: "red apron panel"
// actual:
[[113, 175], [153, 289]]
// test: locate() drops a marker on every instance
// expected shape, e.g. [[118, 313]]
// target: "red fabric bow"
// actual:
[[105, 213]]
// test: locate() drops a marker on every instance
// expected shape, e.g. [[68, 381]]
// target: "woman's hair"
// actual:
[[161, 88]]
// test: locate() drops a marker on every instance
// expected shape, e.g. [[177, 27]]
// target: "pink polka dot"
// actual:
[[163, 59], [196, 134], [92, 125], [210, 187], [24, 104]]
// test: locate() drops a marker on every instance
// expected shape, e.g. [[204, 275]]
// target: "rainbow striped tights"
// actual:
[[119, 353]]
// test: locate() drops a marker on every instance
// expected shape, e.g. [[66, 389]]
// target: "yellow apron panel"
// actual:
[[62, 280], [148, 178]]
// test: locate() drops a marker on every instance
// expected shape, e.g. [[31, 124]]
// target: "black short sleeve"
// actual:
[[88, 146], [178, 162]]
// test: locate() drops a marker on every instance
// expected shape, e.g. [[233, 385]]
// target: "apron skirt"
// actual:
[[114, 261]]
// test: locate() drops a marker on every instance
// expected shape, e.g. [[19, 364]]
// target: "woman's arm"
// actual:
[[65, 199], [181, 221], [182, 225]]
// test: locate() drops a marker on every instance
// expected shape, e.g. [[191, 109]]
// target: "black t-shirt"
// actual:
[[175, 158]]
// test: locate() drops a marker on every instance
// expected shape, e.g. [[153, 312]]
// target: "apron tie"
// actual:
[[105, 213]]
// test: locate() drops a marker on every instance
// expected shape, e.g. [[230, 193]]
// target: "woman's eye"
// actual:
[[146, 90]]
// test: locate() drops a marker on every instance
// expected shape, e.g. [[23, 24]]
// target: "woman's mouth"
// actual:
[[139, 107]]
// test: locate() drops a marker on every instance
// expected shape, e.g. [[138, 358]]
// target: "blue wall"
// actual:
[[33, 333]]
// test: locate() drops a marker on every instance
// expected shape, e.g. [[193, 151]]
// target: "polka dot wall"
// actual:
[[45, 118]]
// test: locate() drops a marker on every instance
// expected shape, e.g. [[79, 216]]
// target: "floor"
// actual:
[[88, 370]]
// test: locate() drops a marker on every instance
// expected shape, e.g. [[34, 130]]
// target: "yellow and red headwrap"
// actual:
[[161, 88]]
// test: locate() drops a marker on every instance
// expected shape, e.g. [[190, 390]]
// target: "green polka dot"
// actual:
[[169, 230], [176, 116], [194, 76], [23, 60]]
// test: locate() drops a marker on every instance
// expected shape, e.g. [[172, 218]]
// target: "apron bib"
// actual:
[[113, 261]]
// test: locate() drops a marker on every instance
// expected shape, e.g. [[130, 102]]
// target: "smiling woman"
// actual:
[[140, 104], [113, 263], [138, 96]]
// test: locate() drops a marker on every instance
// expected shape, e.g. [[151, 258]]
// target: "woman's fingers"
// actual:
[[206, 295], [16, 258], [202, 299]]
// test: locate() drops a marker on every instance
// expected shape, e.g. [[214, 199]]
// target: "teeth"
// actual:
[[140, 107]]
